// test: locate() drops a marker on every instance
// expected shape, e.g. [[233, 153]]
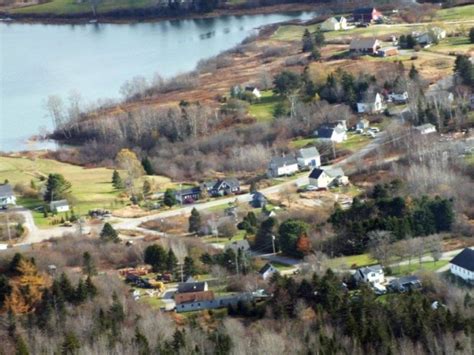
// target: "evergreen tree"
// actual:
[[67, 290], [13, 267], [80, 294], [117, 181], [71, 344], [315, 54], [307, 41], [109, 234], [471, 35], [21, 348], [116, 314], [319, 38], [141, 342], [195, 222], [88, 265], [464, 70], [178, 340], [413, 73], [90, 287], [147, 166], [264, 237], [171, 261], [170, 198], [290, 231], [156, 256], [57, 188], [5, 289], [189, 269]]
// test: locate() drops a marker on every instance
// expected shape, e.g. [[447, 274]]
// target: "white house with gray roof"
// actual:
[[370, 274], [59, 206], [308, 157], [7, 197], [281, 166]]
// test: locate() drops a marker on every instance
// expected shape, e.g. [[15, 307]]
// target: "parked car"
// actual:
[[311, 188]]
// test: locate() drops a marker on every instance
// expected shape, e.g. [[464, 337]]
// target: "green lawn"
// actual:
[[348, 261], [452, 44], [65, 7], [354, 142], [456, 13], [154, 302], [415, 266], [264, 108], [302, 142], [470, 159]]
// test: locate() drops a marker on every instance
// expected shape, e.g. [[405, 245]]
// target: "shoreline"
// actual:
[[51, 19]]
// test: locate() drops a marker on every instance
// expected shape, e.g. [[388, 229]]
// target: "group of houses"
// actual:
[[374, 276], [364, 16], [8, 198], [214, 188], [304, 159]]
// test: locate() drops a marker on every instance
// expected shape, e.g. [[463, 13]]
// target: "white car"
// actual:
[[374, 129], [311, 188]]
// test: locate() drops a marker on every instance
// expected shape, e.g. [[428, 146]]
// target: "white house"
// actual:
[[267, 271], [370, 274], [334, 24], [462, 265], [338, 176], [434, 34], [399, 98], [281, 166], [363, 124], [373, 104], [319, 179], [333, 134], [426, 128], [59, 206], [364, 46], [308, 157], [253, 90], [7, 197]]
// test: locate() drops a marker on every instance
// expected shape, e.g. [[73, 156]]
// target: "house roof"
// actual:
[[59, 203], [258, 196], [332, 19], [6, 190], [307, 153], [364, 10], [189, 191], [325, 132], [363, 43], [339, 18], [335, 172], [232, 183], [408, 279], [368, 269], [266, 268], [316, 173], [464, 259], [184, 287], [282, 161]]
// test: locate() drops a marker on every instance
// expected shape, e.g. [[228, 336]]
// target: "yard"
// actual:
[[349, 261], [416, 266], [354, 142], [453, 44], [264, 108], [65, 7], [91, 188], [456, 13]]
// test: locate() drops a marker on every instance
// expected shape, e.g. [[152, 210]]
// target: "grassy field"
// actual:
[[456, 13], [264, 108], [65, 7], [302, 142], [416, 266], [348, 261], [91, 188], [354, 142], [453, 44]]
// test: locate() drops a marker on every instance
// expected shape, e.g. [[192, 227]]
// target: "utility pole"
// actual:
[[8, 228], [273, 244], [237, 262], [182, 272]]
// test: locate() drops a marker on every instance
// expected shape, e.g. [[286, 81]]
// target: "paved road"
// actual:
[[38, 235]]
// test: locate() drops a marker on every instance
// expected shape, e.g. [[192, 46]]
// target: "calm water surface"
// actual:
[[95, 60]]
